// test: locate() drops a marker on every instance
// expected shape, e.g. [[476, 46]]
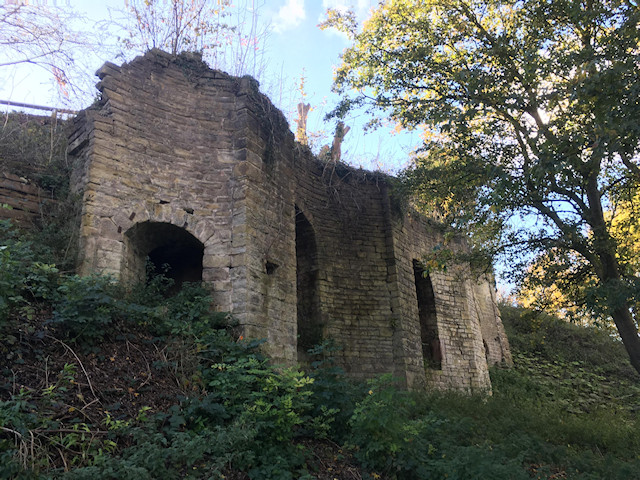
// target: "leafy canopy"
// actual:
[[550, 286]]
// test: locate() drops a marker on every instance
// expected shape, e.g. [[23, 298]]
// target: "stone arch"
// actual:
[[429, 336], [301, 206], [310, 328], [201, 228], [164, 244]]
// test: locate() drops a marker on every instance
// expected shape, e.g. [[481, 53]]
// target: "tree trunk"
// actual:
[[609, 270], [629, 334], [620, 312]]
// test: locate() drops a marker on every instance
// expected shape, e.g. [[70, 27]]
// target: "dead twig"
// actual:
[[145, 361], [64, 460], [87, 405], [33, 450], [71, 430], [81, 366]]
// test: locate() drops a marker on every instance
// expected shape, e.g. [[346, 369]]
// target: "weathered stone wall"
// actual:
[[190, 166], [460, 341], [31, 147], [496, 344], [23, 197], [162, 147], [346, 210], [267, 265]]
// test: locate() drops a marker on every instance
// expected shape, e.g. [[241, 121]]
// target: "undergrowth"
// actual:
[[35, 147], [99, 381]]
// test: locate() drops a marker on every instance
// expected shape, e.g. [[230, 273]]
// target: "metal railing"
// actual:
[[38, 107]]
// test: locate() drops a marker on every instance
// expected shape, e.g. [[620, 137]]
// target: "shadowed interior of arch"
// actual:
[[172, 251], [431, 349], [308, 305]]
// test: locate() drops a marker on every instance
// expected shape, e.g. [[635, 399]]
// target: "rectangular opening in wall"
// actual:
[[431, 351]]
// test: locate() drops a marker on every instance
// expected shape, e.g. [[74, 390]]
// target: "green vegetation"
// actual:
[[102, 382], [35, 147]]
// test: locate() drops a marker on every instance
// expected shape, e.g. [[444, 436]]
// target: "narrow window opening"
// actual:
[[431, 350], [309, 324]]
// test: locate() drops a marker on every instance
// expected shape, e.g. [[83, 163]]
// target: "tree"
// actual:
[[530, 115], [567, 292], [45, 36], [552, 286], [175, 25], [244, 48], [228, 37]]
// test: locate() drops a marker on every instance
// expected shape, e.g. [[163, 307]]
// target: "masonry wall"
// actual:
[[24, 198], [177, 156], [161, 146], [463, 363], [267, 265], [31, 147], [495, 342], [346, 209]]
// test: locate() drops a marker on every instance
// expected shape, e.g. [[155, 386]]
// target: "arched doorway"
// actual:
[[431, 349], [308, 300], [171, 250]]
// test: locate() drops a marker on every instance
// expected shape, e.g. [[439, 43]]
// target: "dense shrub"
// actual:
[[24, 278], [567, 409]]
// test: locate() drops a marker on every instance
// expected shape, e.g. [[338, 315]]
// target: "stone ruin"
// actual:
[[187, 166]]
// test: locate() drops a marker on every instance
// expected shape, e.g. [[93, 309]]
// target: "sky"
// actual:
[[295, 48]]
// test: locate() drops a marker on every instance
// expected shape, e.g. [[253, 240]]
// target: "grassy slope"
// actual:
[[567, 409]]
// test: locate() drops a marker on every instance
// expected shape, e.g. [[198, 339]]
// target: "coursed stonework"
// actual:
[[188, 166]]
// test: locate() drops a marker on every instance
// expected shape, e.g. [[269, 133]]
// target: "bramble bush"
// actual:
[[245, 415], [85, 309], [334, 396]]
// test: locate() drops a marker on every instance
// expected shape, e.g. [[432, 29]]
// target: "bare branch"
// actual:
[[43, 35]]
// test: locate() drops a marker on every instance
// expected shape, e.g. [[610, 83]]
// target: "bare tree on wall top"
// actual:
[[174, 25], [229, 36]]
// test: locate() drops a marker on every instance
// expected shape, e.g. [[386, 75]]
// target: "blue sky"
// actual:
[[302, 47], [295, 47]]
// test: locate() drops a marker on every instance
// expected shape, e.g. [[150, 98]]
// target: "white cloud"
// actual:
[[362, 9], [290, 15], [341, 5]]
